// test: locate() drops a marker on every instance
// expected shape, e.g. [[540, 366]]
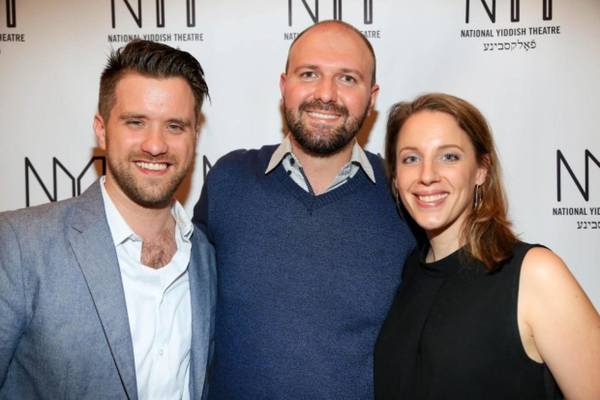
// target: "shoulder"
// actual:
[[48, 220], [240, 162], [374, 157], [38, 218], [376, 161], [564, 323], [541, 268], [255, 157], [548, 291]]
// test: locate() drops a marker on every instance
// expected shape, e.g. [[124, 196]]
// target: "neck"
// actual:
[[146, 222], [321, 171], [441, 245]]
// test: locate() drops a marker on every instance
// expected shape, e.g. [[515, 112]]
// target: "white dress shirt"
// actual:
[[158, 307]]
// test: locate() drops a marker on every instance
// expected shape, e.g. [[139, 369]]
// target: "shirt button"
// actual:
[[161, 352]]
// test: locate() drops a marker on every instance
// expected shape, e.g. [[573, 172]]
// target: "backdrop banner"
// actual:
[[531, 66]]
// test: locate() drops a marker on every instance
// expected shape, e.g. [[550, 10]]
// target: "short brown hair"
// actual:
[[153, 60], [486, 233]]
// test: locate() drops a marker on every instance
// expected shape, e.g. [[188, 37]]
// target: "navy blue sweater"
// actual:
[[304, 281]]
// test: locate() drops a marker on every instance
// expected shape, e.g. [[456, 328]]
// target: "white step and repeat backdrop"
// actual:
[[532, 66]]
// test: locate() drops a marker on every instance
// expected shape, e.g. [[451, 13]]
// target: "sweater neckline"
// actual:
[[311, 201]]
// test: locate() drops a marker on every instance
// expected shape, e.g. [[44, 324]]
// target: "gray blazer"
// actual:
[[64, 331]]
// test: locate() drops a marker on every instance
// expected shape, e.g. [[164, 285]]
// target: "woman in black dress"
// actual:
[[479, 315]]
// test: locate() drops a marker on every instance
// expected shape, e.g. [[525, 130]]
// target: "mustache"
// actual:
[[318, 105]]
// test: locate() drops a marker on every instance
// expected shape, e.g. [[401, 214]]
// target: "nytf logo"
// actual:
[[11, 13], [565, 168], [131, 11], [512, 13], [64, 183], [303, 11]]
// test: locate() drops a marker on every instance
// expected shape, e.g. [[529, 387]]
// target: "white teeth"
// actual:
[[151, 166], [322, 116], [432, 197]]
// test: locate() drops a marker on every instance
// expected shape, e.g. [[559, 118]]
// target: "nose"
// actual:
[[154, 143], [429, 173], [326, 91]]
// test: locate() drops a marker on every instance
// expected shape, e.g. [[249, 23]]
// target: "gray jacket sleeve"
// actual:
[[12, 296]]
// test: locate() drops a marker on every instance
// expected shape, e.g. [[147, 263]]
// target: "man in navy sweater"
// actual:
[[309, 244]]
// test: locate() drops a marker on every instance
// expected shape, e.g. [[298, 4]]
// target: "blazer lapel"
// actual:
[[92, 245], [203, 295]]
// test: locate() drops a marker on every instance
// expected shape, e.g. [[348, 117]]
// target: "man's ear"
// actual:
[[282, 81], [100, 131], [374, 94]]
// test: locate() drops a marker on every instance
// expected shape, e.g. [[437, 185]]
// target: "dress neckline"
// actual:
[[446, 266]]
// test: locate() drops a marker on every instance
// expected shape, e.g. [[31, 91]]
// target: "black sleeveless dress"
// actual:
[[452, 333]]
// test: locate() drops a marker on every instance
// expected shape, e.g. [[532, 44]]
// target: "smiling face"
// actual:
[[327, 90], [149, 139], [436, 173]]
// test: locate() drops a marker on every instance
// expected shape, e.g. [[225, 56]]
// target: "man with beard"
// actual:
[[110, 295], [309, 243]]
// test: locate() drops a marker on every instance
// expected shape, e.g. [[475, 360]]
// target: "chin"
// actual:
[[430, 226]]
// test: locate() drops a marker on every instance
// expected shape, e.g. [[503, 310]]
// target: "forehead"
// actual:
[[172, 93], [331, 45], [430, 129]]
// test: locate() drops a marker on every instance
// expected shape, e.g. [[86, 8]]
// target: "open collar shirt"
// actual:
[[158, 307], [284, 155]]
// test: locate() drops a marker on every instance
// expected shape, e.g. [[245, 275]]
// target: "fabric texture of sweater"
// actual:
[[304, 281]]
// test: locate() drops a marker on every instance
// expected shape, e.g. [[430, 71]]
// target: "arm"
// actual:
[[12, 298], [560, 324]]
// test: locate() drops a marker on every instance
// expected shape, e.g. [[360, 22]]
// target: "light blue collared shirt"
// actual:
[[284, 155]]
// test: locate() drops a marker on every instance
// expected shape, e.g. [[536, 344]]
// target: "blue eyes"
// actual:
[[409, 159], [171, 127], [312, 75], [308, 74], [450, 157], [446, 157], [134, 122], [175, 127]]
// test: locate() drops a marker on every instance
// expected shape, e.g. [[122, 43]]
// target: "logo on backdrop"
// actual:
[[11, 13], [10, 22], [165, 22], [69, 182], [576, 199], [501, 29], [301, 14]]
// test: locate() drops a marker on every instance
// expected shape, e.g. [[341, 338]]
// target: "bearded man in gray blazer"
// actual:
[[111, 295]]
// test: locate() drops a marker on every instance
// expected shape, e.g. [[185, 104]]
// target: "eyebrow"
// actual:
[[181, 121], [352, 71], [184, 122], [443, 147], [316, 67], [132, 115]]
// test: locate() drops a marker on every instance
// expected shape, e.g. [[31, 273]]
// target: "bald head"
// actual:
[[331, 30], [328, 89]]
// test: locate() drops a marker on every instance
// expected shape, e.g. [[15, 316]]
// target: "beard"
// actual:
[[323, 140], [148, 193]]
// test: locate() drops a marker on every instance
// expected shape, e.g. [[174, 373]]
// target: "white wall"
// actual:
[[540, 90]]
